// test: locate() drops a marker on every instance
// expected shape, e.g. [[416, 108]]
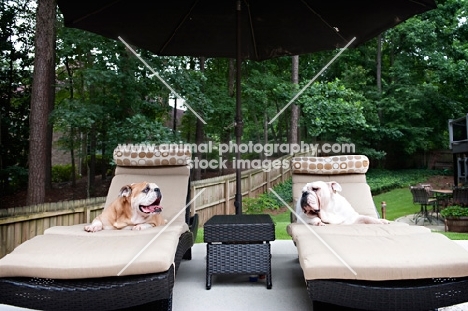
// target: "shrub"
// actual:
[[13, 178], [454, 211], [259, 204], [269, 200], [61, 173]]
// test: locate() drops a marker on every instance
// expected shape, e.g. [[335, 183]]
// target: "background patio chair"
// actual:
[[460, 196], [422, 195]]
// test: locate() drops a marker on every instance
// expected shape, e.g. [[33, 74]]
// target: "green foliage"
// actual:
[[16, 60], [284, 190], [100, 164], [259, 204], [61, 173], [454, 211], [381, 180], [105, 93], [16, 176], [269, 200], [332, 110], [140, 129]]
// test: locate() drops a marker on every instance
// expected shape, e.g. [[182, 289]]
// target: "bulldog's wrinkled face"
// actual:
[[316, 195], [145, 197]]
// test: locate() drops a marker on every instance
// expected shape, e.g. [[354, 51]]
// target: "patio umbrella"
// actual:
[[241, 29]]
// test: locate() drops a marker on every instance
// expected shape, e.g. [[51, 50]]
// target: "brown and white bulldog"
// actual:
[[137, 207], [321, 204]]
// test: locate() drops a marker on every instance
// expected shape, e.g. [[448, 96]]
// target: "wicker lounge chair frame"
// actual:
[[406, 294], [421, 294], [152, 290], [110, 293]]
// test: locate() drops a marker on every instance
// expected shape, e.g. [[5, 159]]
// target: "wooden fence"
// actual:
[[23, 223], [219, 192]]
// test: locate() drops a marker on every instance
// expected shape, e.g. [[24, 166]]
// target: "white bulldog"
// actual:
[[137, 208], [321, 204]]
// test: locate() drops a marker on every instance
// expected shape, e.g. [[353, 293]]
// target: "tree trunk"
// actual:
[[72, 128], [103, 157], [199, 131], [92, 163], [41, 96], [294, 108], [232, 77], [379, 64]]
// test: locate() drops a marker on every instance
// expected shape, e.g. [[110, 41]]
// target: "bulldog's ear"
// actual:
[[125, 191], [335, 186]]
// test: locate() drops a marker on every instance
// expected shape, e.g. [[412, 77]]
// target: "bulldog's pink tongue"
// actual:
[[151, 208]]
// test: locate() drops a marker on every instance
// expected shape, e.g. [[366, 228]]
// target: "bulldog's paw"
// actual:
[[316, 222], [140, 227], [384, 221], [93, 228]]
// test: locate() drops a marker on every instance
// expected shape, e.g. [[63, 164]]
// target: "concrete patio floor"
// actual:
[[238, 293]]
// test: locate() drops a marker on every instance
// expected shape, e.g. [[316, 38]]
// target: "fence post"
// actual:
[[268, 178], [226, 196]]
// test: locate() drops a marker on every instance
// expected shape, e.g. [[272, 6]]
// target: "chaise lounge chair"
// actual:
[[373, 267], [67, 268]]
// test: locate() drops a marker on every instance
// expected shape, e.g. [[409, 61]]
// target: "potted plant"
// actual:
[[456, 218]]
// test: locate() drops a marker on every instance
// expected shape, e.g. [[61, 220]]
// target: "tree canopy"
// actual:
[[105, 96]]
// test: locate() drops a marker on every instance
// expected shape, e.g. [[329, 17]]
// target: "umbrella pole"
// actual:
[[238, 119]]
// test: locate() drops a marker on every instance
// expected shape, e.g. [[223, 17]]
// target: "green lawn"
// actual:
[[399, 203], [393, 189]]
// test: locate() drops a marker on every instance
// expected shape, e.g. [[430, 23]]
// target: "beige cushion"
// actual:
[[151, 155], [177, 228], [376, 257], [69, 252], [394, 228]]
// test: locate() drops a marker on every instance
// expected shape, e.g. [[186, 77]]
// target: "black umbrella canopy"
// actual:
[[241, 29], [268, 28]]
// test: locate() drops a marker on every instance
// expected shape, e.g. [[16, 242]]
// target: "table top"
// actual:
[[239, 219], [442, 191], [239, 228]]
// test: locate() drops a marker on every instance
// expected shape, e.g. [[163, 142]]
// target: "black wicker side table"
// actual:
[[239, 244]]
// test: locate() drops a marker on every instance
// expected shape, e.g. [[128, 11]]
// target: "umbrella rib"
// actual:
[[420, 3], [323, 20], [251, 29], [179, 26], [95, 12]]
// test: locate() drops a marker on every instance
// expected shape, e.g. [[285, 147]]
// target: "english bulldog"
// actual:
[[321, 204], [137, 207]]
